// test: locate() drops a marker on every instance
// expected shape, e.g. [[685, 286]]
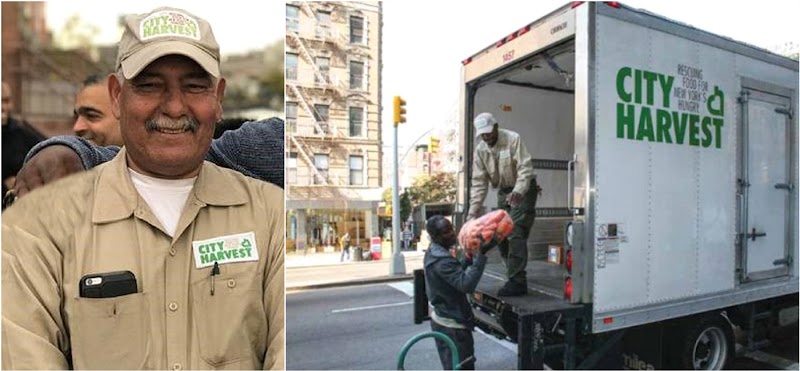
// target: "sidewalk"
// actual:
[[324, 270], [297, 260]]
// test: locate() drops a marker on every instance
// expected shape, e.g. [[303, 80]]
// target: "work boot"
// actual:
[[512, 288]]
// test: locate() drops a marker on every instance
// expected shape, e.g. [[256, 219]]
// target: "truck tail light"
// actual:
[[576, 4], [613, 4], [568, 288], [569, 261]]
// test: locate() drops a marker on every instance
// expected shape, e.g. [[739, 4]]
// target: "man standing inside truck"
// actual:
[[502, 160], [447, 283]]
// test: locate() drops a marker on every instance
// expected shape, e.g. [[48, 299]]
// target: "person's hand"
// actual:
[[514, 199], [488, 245], [50, 164]]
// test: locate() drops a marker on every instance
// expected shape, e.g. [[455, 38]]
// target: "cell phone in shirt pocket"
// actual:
[[107, 285]]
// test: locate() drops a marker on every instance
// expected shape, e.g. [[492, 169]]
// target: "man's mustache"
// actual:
[[162, 122]]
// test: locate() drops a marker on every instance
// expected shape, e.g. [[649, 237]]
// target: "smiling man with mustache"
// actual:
[[156, 259]]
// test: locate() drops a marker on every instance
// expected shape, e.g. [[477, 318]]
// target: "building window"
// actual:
[[291, 66], [321, 117], [356, 121], [291, 168], [321, 163], [356, 75], [292, 18], [356, 170], [356, 30], [291, 117], [323, 24], [324, 66]]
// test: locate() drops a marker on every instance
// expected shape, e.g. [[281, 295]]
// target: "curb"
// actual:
[[360, 282], [352, 262]]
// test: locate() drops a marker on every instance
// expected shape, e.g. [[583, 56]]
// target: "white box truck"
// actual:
[[668, 161]]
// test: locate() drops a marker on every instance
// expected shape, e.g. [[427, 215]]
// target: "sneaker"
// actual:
[[512, 289]]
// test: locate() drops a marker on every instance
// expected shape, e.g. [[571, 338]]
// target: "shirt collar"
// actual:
[[117, 198]]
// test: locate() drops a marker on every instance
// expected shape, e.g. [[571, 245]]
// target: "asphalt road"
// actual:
[[365, 327]]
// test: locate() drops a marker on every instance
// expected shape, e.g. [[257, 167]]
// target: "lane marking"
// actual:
[[405, 287], [773, 360], [371, 307], [492, 275]]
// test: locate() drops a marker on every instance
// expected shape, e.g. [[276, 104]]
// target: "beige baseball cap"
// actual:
[[484, 123], [166, 31]]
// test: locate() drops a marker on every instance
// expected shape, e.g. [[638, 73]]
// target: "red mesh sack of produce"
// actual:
[[475, 232]]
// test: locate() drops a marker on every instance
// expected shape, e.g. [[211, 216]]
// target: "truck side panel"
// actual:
[[665, 166]]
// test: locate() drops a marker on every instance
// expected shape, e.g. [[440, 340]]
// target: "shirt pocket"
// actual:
[[110, 333], [231, 324], [506, 168]]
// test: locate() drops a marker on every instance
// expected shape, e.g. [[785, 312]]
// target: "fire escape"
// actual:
[[319, 38]]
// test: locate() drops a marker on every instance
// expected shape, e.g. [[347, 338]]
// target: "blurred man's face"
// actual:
[[8, 105], [167, 115], [490, 138], [94, 120], [447, 235]]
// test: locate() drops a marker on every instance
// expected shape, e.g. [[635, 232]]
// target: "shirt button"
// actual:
[[177, 367], [173, 307], [231, 283], [172, 251]]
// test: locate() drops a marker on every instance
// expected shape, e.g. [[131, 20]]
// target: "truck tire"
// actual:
[[704, 342]]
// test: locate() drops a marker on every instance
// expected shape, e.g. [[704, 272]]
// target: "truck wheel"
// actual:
[[705, 343]]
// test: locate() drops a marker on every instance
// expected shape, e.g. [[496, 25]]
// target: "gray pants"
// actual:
[[464, 344]]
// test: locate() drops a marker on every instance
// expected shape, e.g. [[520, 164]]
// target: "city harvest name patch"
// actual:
[[233, 248]]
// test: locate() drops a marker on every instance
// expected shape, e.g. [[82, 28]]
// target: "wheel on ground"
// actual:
[[704, 342]]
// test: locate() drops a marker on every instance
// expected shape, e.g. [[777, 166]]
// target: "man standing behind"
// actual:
[[18, 139], [407, 238], [156, 259], [502, 160], [447, 283], [94, 120]]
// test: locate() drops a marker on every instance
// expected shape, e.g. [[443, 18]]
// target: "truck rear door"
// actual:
[[766, 187]]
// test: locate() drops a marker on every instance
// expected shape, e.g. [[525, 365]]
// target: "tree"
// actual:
[[77, 34], [405, 203], [439, 187]]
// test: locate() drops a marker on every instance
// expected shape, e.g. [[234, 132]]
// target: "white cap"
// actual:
[[484, 123]]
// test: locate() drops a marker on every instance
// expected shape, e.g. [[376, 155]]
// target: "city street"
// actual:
[[365, 327]]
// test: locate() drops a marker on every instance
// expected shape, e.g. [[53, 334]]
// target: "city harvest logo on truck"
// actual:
[[676, 117]]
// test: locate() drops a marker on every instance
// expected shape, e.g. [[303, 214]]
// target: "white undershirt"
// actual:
[[166, 197]]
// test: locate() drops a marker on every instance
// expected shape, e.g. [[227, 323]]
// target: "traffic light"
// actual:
[[399, 110], [433, 145]]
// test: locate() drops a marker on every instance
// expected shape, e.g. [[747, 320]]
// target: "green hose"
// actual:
[[402, 357]]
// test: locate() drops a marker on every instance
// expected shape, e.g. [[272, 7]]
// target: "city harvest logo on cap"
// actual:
[[169, 23], [166, 31]]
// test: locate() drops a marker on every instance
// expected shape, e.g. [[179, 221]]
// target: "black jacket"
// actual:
[[448, 281]]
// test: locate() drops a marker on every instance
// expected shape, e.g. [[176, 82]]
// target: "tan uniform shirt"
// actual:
[[96, 222], [505, 165]]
